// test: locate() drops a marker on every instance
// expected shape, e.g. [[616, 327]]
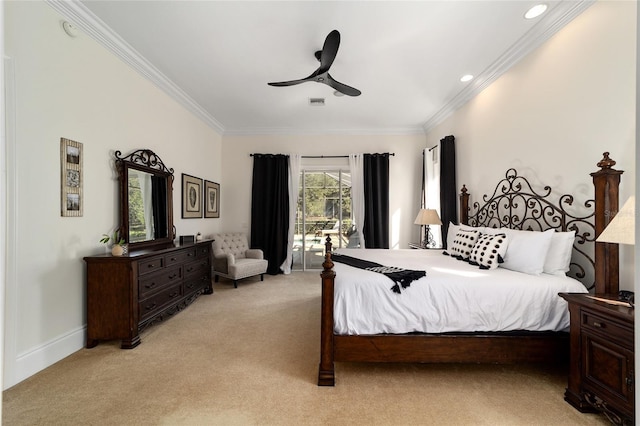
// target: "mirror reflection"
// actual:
[[146, 201], [147, 206]]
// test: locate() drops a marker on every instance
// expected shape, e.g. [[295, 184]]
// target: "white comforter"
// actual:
[[454, 296]]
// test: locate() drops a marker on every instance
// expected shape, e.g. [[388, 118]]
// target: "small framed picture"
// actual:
[[191, 194], [71, 198], [211, 199]]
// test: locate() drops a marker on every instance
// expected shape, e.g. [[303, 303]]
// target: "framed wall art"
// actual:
[[211, 199], [71, 178], [191, 194]]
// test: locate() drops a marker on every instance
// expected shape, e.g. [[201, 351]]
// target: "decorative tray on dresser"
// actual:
[[601, 373], [126, 294]]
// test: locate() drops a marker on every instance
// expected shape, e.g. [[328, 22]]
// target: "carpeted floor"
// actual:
[[249, 356]]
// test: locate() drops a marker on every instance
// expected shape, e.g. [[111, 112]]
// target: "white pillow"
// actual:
[[453, 230], [463, 243], [559, 254], [527, 250], [489, 251], [451, 234]]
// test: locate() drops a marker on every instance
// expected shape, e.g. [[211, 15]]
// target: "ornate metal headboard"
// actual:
[[515, 204]]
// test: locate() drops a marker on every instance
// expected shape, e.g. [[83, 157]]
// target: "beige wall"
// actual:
[[74, 88], [555, 113], [405, 168]]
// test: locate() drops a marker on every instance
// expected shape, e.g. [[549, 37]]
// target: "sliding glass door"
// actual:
[[324, 210]]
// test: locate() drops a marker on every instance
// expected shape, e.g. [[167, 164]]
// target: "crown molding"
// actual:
[[94, 27], [284, 131], [543, 30]]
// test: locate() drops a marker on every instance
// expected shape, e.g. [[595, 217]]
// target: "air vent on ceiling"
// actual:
[[316, 101]]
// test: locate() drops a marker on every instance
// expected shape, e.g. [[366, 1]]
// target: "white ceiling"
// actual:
[[216, 57]]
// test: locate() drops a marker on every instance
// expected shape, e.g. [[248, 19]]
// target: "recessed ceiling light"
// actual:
[[535, 11], [466, 78]]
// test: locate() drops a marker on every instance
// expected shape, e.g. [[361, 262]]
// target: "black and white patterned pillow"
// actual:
[[489, 251], [463, 243]]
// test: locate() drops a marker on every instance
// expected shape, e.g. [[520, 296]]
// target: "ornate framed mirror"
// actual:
[[146, 200]]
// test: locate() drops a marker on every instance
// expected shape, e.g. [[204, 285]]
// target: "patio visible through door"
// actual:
[[324, 209]]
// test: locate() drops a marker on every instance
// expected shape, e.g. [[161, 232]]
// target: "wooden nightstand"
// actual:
[[418, 246], [601, 373]]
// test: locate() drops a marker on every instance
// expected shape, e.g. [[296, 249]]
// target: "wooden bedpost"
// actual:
[[326, 370], [464, 206], [606, 182]]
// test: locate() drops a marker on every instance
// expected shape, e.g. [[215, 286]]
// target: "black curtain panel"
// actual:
[[448, 187], [159, 203], [270, 208], [376, 200]]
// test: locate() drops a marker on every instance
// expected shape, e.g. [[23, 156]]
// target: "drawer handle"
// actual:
[[598, 324], [189, 269], [152, 285], [151, 265], [190, 254], [150, 307], [172, 295], [172, 276], [173, 259]]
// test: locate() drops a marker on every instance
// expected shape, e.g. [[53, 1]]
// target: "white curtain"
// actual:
[[356, 167], [294, 187], [432, 187], [147, 204]]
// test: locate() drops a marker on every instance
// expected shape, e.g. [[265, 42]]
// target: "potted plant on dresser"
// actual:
[[118, 247]]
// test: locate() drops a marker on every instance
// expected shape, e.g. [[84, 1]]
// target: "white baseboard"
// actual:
[[37, 359]]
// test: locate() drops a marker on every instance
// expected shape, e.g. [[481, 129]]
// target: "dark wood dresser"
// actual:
[[126, 294], [601, 375]]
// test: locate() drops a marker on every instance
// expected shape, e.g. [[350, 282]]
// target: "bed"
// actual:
[[460, 325]]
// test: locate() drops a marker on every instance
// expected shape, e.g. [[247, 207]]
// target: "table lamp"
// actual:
[[622, 230], [428, 217]]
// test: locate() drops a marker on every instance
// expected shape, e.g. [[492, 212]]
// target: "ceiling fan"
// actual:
[[321, 75]]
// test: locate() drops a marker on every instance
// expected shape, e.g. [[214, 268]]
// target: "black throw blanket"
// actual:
[[401, 277]]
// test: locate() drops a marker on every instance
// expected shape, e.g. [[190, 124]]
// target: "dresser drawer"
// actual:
[[203, 251], [180, 257], [196, 283], [154, 282], [607, 328], [148, 266], [198, 267], [152, 304]]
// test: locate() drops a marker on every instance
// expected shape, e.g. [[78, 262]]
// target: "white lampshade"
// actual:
[[621, 229], [427, 217]]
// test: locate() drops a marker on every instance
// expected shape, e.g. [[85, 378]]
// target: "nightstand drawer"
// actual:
[[607, 328], [607, 373]]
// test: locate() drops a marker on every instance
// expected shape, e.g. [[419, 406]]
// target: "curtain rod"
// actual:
[[328, 156]]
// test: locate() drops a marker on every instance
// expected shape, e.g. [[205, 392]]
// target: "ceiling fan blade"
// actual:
[[312, 77], [329, 51], [340, 87], [287, 83]]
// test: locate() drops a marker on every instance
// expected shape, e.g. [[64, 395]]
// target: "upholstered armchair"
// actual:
[[233, 259]]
